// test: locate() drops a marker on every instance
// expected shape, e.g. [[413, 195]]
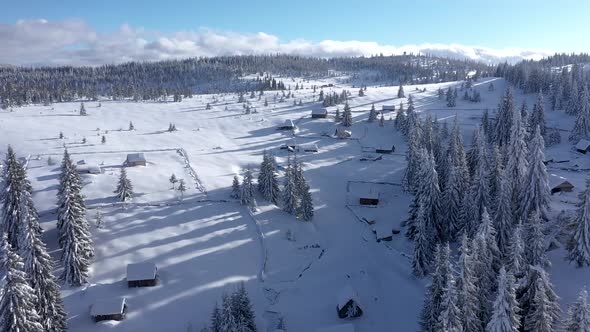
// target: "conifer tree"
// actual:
[[505, 317], [422, 245], [131, 126], [537, 118], [181, 188], [582, 126], [515, 259], [505, 118], [451, 201], [290, 202], [11, 188], [227, 319], [306, 209], [579, 243], [400, 91], [450, 318], [431, 310], [124, 189], [18, 301], [467, 287], [578, 316], [247, 188], [486, 276], [268, 183], [372, 114], [381, 120], [83, 110], [536, 195], [173, 180], [538, 301], [503, 220], [242, 310], [517, 165], [235, 188], [347, 117], [535, 243], [540, 317], [479, 192]]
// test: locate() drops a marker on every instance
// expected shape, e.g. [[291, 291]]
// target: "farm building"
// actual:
[[319, 114], [583, 146], [348, 327], [388, 108], [383, 232], [291, 147], [109, 309], [287, 125], [309, 147], [559, 184], [348, 303], [89, 169], [342, 133], [369, 198], [385, 149], [141, 274], [135, 159]]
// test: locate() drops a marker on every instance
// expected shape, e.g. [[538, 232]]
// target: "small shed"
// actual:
[[319, 113], [142, 274], [89, 169], [385, 149], [342, 133], [369, 198], [383, 232], [388, 108], [583, 146], [348, 327], [109, 309], [348, 303], [291, 147], [559, 184], [135, 159], [287, 125], [310, 147]]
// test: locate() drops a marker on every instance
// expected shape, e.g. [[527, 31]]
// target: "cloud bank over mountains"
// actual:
[[74, 42]]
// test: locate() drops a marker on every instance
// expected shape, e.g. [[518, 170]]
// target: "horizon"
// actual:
[[37, 33]]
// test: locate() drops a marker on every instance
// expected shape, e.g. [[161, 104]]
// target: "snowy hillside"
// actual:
[[206, 243]]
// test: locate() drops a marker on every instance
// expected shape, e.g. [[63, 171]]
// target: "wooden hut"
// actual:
[[310, 147], [135, 159], [369, 198], [141, 274], [348, 303], [109, 309], [342, 133], [319, 113], [383, 232], [385, 149], [583, 146], [388, 108], [559, 184], [89, 169], [287, 125]]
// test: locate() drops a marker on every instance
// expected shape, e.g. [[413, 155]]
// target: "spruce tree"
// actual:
[[173, 180], [431, 310], [537, 118], [422, 245], [306, 209], [578, 316], [505, 118], [503, 221], [11, 188], [467, 287], [535, 243], [247, 188], [372, 114], [18, 301], [451, 201], [83, 110], [268, 183], [515, 259], [227, 319], [290, 202], [540, 317], [517, 165], [242, 310], [537, 300], [579, 243], [347, 117], [505, 317], [536, 195], [124, 189], [450, 318], [400, 91], [582, 126], [235, 188]]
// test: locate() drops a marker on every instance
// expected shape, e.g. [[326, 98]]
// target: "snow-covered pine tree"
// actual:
[[215, 319], [503, 128], [247, 188], [503, 221], [83, 110], [572, 104], [423, 239], [535, 243], [173, 180], [38, 267], [488, 232], [10, 197], [235, 188], [181, 188], [582, 126], [450, 318], [578, 315], [431, 309], [428, 195], [467, 287], [381, 120], [474, 156], [479, 192], [400, 91], [399, 122], [451, 200], [227, 319], [306, 209], [458, 156], [17, 304], [268, 183], [347, 116], [290, 202], [536, 195], [372, 114], [410, 181], [496, 169], [536, 296], [579, 243], [540, 317], [485, 276], [242, 310], [537, 118], [517, 165], [131, 126], [515, 258], [505, 317], [124, 189]]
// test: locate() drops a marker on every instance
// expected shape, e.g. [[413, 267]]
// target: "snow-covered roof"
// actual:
[[583, 144], [135, 157], [288, 123], [382, 230], [388, 107], [369, 194], [346, 294], [385, 147], [348, 327], [341, 132], [309, 146], [105, 307], [88, 168], [141, 271], [556, 180], [319, 111]]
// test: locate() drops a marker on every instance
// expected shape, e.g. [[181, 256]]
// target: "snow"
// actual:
[[103, 307], [337, 328], [141, 271], [205, 244]]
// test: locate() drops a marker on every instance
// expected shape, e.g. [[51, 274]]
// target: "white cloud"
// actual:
[[41, 42]]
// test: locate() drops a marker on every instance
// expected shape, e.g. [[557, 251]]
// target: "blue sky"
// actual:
[[109, 31], [557, 25]]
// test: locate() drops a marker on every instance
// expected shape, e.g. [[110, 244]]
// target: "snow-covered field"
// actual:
[[205, 243]]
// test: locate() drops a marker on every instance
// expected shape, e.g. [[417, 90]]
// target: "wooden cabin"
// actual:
[[342, 133], [319, 114], [109, 309], [309, 147], [348, 327], [388, 108], [135, 159], [383, 232], [348, 305], [583, 146], [559, 184], [369, 198], [141, 275], [89, 169], [385, 149], [287, 125]]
